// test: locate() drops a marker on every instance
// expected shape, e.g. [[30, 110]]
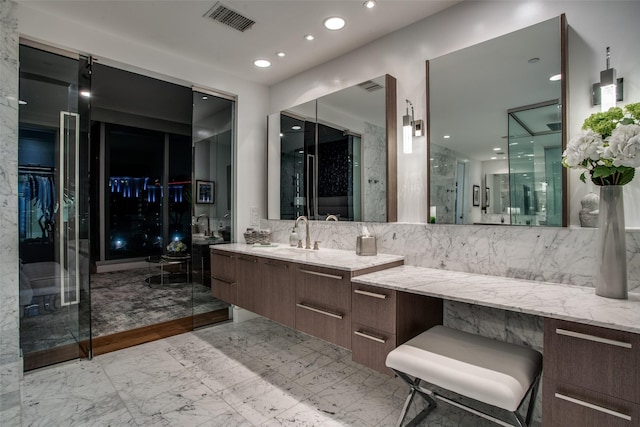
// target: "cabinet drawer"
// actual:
[[370, 347], [223, 264], [323, 287], [374, 307], [567, 405], [224, 290], [278, 279], [325, 323], [591, 357]]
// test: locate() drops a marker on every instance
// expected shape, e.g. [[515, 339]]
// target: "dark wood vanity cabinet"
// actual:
[[201, 265], [251, 294], [323, 304], [223, 276], [590, 376], [279, 282], [382, 319]]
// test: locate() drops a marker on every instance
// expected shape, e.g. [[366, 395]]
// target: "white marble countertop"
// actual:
[[574, 303], [331, 258]]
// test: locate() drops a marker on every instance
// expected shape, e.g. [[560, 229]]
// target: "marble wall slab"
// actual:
[[374, 184], [556, 255], [10, 361]]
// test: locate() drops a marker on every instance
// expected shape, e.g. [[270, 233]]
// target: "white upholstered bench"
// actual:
[[489, 371]]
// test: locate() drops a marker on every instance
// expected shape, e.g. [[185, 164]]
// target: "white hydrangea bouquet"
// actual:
[[608, 147], [176, 247]]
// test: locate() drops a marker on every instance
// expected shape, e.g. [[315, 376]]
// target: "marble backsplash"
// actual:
[[557, 255]]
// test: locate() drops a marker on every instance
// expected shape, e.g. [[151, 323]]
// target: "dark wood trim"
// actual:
[[40, 359], [113, 342], [564, 88], [391, 108], [427, 128]]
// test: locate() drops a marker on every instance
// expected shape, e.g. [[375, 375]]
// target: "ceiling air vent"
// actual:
[[370, 86], [233, 19]]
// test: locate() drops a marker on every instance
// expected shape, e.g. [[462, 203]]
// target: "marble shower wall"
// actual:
[[557, 255], [374, 183], [10, 361]]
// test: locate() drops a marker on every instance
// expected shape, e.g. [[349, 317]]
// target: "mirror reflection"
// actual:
[[333, 156], [496, 123]]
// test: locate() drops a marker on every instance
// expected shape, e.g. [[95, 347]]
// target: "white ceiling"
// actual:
[[179, 26]]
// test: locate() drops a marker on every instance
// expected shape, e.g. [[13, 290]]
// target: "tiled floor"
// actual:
[[255, 373]]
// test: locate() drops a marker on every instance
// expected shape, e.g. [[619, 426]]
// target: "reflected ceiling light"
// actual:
[[497, 149], [281, 135], [281, 54], [369, 4], [334, 23], [205, 97], [295, 127], [556, 77], [21, 102], [309, 37], [85, 93], [262, 63]]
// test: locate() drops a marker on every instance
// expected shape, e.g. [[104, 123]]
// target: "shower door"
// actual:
[[53, 172]]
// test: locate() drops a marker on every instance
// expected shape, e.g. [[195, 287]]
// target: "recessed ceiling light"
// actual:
[[296, 127], [309, 37], [493, 158], [369, 4], [447, 136], [496, 149], [334, 23], [261, 63], [281, 54], [555, 77]]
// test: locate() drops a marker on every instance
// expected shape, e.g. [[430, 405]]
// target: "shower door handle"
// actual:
[[311, 164], [68, 208]]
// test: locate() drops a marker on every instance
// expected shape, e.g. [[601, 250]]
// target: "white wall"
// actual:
[[251, 106], [594, 25]]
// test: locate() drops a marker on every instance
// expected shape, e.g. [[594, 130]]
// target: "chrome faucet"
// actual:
[[208, 230], [308, 236], [331, 218]]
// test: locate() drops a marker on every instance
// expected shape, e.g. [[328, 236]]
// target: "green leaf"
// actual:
[[601, 172], [582, 178], [626, 176], [627, 121]]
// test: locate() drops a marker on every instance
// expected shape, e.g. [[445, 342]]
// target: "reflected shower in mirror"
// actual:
[[334, 155], [497, 121]]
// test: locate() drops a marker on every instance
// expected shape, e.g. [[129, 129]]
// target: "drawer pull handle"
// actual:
[[594, 407], [370, 294], [273, 264], [370, 337], [317, 310], [592, 338], [220, 279], [316, 273], [254, 260], [222, 255]]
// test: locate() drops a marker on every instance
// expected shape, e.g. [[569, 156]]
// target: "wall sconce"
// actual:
[[410, 128], [609, 90]]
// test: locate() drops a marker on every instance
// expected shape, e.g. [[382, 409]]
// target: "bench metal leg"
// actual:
[[415, 389]]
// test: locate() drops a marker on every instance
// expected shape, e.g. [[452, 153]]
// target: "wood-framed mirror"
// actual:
[[497, 119], [336, 156]]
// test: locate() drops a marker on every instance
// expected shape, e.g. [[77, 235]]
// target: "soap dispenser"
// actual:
[[293, 238]]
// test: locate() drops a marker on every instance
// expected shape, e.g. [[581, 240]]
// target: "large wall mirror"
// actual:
[[497, 129], [335, 156]]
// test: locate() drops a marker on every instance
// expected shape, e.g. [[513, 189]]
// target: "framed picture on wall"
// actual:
[[205, 192], [476, 195]]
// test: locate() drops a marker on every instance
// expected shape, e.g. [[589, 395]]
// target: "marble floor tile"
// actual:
[[230, 374]]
